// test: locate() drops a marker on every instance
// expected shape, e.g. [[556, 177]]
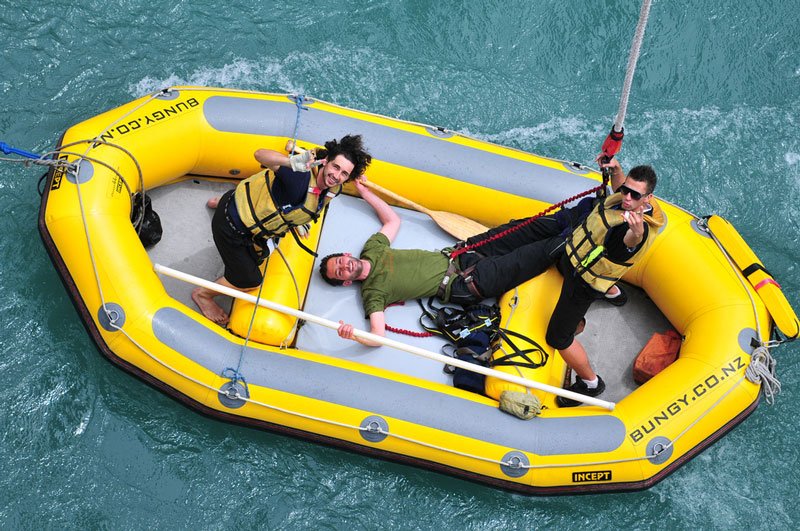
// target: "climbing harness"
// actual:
[[456, 324]]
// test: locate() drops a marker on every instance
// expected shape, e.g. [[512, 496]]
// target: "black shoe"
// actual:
[[619, 300], [580, 387]]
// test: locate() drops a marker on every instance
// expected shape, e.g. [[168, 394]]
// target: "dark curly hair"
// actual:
[[323, 270], [352, 148]]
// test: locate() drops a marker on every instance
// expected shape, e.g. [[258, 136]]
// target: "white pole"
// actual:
[[380, 339]]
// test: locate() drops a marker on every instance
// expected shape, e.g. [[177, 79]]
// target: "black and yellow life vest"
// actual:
[[586, 246], [259, 213]]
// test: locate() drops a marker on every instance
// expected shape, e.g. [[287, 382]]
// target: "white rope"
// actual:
[[638, 37], [40, 162], [762, 370]]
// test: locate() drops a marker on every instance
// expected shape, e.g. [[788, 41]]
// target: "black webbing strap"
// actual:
[[293, 231], [752, 268], [519, 353]]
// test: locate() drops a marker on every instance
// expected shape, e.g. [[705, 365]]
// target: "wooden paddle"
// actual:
[[457, 226]]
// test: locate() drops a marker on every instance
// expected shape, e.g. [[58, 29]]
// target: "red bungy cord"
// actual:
[[494, 237], [528, 221]]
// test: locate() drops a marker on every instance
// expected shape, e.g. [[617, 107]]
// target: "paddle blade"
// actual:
[[457, 226]]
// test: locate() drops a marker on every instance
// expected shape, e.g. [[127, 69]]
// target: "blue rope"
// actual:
[[8, 150], [235, 375]]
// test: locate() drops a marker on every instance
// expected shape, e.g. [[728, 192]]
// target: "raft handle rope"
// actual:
[[236, 395], [236, 375], [73, 168], [232, 392], [299, 100], [95, 142]]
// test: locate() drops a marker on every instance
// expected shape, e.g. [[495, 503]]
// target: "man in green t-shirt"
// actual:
[[392, 275], [603, 250]]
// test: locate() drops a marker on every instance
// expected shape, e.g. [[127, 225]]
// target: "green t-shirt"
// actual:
[[398, 274]]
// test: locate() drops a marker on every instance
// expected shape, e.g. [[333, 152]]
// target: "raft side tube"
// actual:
[[529, 315], [757, 275], [286, 283]]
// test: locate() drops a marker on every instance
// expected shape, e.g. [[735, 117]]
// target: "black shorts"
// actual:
[[236, 248], [573, 303]]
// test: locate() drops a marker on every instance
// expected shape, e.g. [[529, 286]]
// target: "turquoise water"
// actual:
[[715, 108]]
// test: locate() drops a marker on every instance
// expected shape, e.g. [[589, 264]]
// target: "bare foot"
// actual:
[[213, 202], [205, 301]]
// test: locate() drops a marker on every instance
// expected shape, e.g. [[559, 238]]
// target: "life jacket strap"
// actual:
[[265, 232]]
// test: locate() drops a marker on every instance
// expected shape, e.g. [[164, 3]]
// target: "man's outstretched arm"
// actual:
[[389, 219], [377, 323]]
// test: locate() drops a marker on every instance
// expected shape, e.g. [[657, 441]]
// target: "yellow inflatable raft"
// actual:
[[186, 144]]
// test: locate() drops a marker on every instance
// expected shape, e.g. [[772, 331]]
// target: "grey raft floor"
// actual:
[[613, 335]]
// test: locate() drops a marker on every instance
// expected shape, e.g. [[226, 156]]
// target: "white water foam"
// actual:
[[267, 74]]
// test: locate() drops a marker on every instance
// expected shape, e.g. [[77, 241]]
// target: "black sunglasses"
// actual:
[[624, 190]]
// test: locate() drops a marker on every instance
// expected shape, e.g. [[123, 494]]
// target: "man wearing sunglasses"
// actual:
[[604, 238], [600, 249]]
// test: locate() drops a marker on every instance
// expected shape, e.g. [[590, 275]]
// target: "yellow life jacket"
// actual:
[[258, 212], [586, 246]]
